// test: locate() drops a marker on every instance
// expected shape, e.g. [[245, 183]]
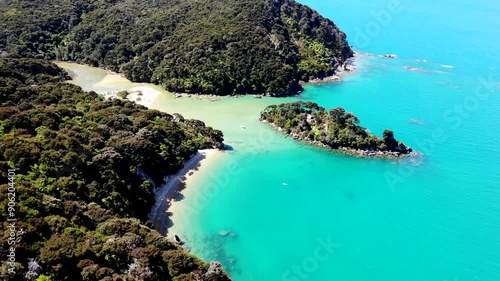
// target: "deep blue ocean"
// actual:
[[275, 209]]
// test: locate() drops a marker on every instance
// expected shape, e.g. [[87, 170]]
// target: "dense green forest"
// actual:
[[336, 129], [79, 195], [216, 47]]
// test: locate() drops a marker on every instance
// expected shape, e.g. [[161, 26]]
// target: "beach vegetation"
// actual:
[[123, 94], [81, 198]]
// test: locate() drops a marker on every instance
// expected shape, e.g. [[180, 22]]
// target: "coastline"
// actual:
[[108, 84], [103, 80], [346, 68], [347, 150], [169, 191], [144, 96]]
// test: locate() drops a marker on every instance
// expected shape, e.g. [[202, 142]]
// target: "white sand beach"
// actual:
[[109, 84], [169, 191], [144, 95]]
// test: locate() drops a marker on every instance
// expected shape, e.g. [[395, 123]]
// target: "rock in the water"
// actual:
[[390, 56], [220, 145], [214, 270], [178, 239]]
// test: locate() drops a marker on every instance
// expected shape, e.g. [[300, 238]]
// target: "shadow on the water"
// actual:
[[228, 147], [168, 222], [350, 195], [179, 197]]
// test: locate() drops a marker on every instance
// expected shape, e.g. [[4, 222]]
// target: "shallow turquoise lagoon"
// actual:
[[268, 208], [275, 209]]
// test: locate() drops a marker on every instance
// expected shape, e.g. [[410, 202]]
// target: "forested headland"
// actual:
[[335, 129], [221, 47], [81, 197]]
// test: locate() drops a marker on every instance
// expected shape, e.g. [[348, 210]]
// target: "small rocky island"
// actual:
[[336, 129]]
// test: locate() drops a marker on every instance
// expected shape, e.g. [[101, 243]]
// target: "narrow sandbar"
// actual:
[[144, 95]]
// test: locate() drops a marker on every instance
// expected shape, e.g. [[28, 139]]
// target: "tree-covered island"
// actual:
[[221, 47], [336, 129]]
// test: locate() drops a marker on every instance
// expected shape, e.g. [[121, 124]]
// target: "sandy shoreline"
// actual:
[[143, 95], [169, 191], [109, 84]]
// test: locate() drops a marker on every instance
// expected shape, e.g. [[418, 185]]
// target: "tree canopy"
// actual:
[[335, 129], [220, 47], [81, 194]]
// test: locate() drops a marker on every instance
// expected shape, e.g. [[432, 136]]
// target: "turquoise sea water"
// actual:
[[431, 218], [274, 209]]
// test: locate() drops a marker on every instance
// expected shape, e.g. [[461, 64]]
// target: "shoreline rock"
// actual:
[[389, 56], [178, 240], [341, 70]]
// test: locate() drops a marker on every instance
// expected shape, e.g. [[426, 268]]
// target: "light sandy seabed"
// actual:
[[109, 84], [144, 96]]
